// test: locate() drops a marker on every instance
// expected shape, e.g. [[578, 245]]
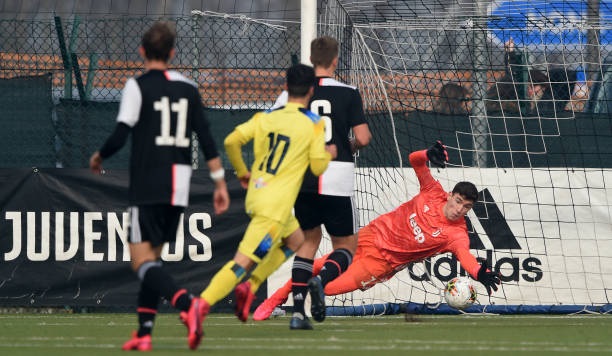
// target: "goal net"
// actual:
[[530, 128]]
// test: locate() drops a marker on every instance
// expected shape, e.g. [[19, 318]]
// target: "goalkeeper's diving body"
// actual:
[[429, 224]]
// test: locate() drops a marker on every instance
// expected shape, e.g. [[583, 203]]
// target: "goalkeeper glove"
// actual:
[[488, 278], [437, 154]]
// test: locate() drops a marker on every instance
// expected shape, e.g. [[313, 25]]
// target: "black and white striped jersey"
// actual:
[[340, 106], [163, 108]]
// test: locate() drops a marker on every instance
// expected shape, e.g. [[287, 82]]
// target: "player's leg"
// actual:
[[265, 309], [307, 212], [148, 300], [258, 240], [280, 251], [340, 220], [369, 267], [148, 231], [157, 224]]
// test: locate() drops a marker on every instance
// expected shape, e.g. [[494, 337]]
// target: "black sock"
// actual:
[[336, 263], [300, 274], [148, 300], [156, 278]]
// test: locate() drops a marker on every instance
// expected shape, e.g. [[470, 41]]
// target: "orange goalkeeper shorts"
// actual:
[[368, 268]]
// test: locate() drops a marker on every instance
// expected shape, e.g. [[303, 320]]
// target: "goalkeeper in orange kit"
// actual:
[[429, 224]]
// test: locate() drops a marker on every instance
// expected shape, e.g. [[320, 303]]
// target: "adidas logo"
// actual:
[[494, 224], [299, 296]]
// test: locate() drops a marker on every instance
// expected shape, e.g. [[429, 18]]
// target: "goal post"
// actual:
[[308, 30]]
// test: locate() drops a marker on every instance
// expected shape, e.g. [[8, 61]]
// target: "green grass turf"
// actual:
[[103, 334]]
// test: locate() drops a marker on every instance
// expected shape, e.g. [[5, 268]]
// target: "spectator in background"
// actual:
[[453, 99], [547, 91], [539, 93], [503, 98], [506, 95]]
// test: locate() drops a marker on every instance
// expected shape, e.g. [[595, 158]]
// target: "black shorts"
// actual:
[[154, 223], [337, 214]]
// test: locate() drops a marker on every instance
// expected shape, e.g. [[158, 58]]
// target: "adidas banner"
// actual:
[[63, 238]]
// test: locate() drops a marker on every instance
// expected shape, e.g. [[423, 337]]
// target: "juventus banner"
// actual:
[[63, 238]]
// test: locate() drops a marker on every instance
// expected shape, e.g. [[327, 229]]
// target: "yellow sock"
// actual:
[[270, 263], [223, 283]]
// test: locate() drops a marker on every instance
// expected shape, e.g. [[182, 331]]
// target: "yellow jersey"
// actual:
[[285, 142]]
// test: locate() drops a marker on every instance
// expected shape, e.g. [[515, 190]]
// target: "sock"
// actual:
[[336, 263], [147, 309], [153, 275], [300, 274], [277, 255], [223, 282]]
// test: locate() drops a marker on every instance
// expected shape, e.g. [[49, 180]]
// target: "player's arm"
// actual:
[[436, 154], [480, 272], [320, 154], [361, 131], [362, 137], [207, 144], [233, 147], [129, 112], [115, 141]]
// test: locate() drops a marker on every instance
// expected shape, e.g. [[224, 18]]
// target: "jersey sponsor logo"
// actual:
[[419, 236], [501, 237]]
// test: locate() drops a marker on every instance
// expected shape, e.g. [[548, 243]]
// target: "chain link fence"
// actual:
[[62, 79]]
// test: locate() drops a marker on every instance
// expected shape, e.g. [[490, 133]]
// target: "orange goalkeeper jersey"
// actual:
[[418, 228]]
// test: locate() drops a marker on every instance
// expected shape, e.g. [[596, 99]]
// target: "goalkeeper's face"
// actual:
[[457, 206]]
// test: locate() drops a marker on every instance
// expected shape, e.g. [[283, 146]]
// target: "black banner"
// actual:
[[63, 238]]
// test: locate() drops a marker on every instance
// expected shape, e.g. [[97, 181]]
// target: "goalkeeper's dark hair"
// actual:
[[159, 40], [300, 78], [467, 190]]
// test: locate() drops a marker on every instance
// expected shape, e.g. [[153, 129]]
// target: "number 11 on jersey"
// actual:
[[180, 108]]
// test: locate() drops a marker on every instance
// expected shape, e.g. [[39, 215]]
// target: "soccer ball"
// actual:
[[460, 293]]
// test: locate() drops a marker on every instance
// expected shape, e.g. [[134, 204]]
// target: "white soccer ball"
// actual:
[[460, 293]]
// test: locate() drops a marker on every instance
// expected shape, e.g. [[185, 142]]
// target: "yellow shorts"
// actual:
[[263, 233]]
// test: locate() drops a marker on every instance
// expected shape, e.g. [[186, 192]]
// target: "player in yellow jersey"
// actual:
[[286, 142]]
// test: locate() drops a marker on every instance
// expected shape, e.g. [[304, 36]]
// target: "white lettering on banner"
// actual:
[[117, 229], [15, 216], [200, 237], [43, 255], [91, 233], [62, 254], [89, 236]]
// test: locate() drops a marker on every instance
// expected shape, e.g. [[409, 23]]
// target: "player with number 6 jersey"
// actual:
[[327, 200]]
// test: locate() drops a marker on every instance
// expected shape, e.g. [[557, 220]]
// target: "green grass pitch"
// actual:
[[103, 334]]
